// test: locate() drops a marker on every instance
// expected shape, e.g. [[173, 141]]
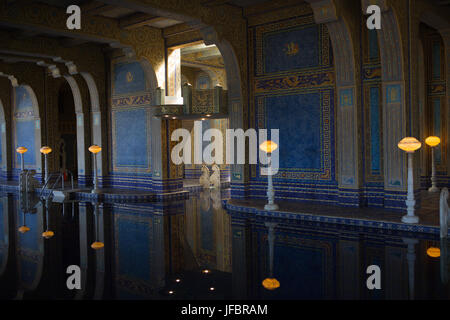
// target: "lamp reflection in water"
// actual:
[[47, 234], [269, 147], [94, 149], [24, 208], [97, 244], [45, 151], [409, 145], [433, 142], [270, 283]]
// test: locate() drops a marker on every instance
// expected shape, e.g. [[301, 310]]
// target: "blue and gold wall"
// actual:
[[130, 156], [372, 99], [292, 89]]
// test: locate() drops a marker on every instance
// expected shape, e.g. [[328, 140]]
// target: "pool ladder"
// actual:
[[60, 177]]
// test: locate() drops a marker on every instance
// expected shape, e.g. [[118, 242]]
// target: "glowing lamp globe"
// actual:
[[434, 252], [48, 234], [45, 150], [95, 149], [21, 150], [97, 245], [24, 229], [432, 141], [271, 283], [268, 146], [409, 144]]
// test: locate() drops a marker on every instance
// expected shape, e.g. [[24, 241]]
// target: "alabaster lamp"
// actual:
[[22, 150], [433, 142], [45, 151], [268, 147], [94, 149], [410, 145]]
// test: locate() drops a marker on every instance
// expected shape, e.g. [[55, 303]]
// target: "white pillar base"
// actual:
[[410, 219], [271, 207], [433, 189]]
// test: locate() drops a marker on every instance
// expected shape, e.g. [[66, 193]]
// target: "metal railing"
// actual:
[[60, 177]]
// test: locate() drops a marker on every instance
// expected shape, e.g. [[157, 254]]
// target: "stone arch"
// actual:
[[96, 119], [81, 148], [34, 127], [347, 124], [239, 176]]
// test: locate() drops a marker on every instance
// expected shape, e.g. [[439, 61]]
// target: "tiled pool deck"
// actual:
[[366, 217]]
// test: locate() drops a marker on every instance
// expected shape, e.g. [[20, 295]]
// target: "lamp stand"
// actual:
[[270, 191], [22, 166], [433, 187], [46, 168], [410, 202], [95, 190]]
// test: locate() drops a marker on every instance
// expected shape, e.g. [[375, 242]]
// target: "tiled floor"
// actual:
[[428, 213]]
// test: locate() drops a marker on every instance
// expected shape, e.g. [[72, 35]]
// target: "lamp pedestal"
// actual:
[[410, 202], [22, 162], [46, 168], [95, 190], [270, 206], [433, 187]]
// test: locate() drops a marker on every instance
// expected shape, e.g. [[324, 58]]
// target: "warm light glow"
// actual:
[[48, 234], [203, 119], [212, 289], [268, 146], [174, 118], [21, 150], [177, 280], [24, 229], [95, 149], [45, 150], [97, 245], [171, 292], [409, 144], [432, 141], [434, 252], [271, 283], [206, 271], [166, 116]]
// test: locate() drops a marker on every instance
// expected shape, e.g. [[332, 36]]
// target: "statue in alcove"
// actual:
[[215, 177], [204, 178]]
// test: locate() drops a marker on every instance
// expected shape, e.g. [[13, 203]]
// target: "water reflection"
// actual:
[[194, 249]]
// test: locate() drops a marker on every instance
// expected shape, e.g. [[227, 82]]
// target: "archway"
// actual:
[[67, 124], [27, 129], [96, 123]]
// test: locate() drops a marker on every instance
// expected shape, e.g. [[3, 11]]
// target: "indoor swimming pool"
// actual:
[[194, 249]]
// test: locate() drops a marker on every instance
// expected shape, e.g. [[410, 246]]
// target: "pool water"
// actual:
[[194, 249]]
